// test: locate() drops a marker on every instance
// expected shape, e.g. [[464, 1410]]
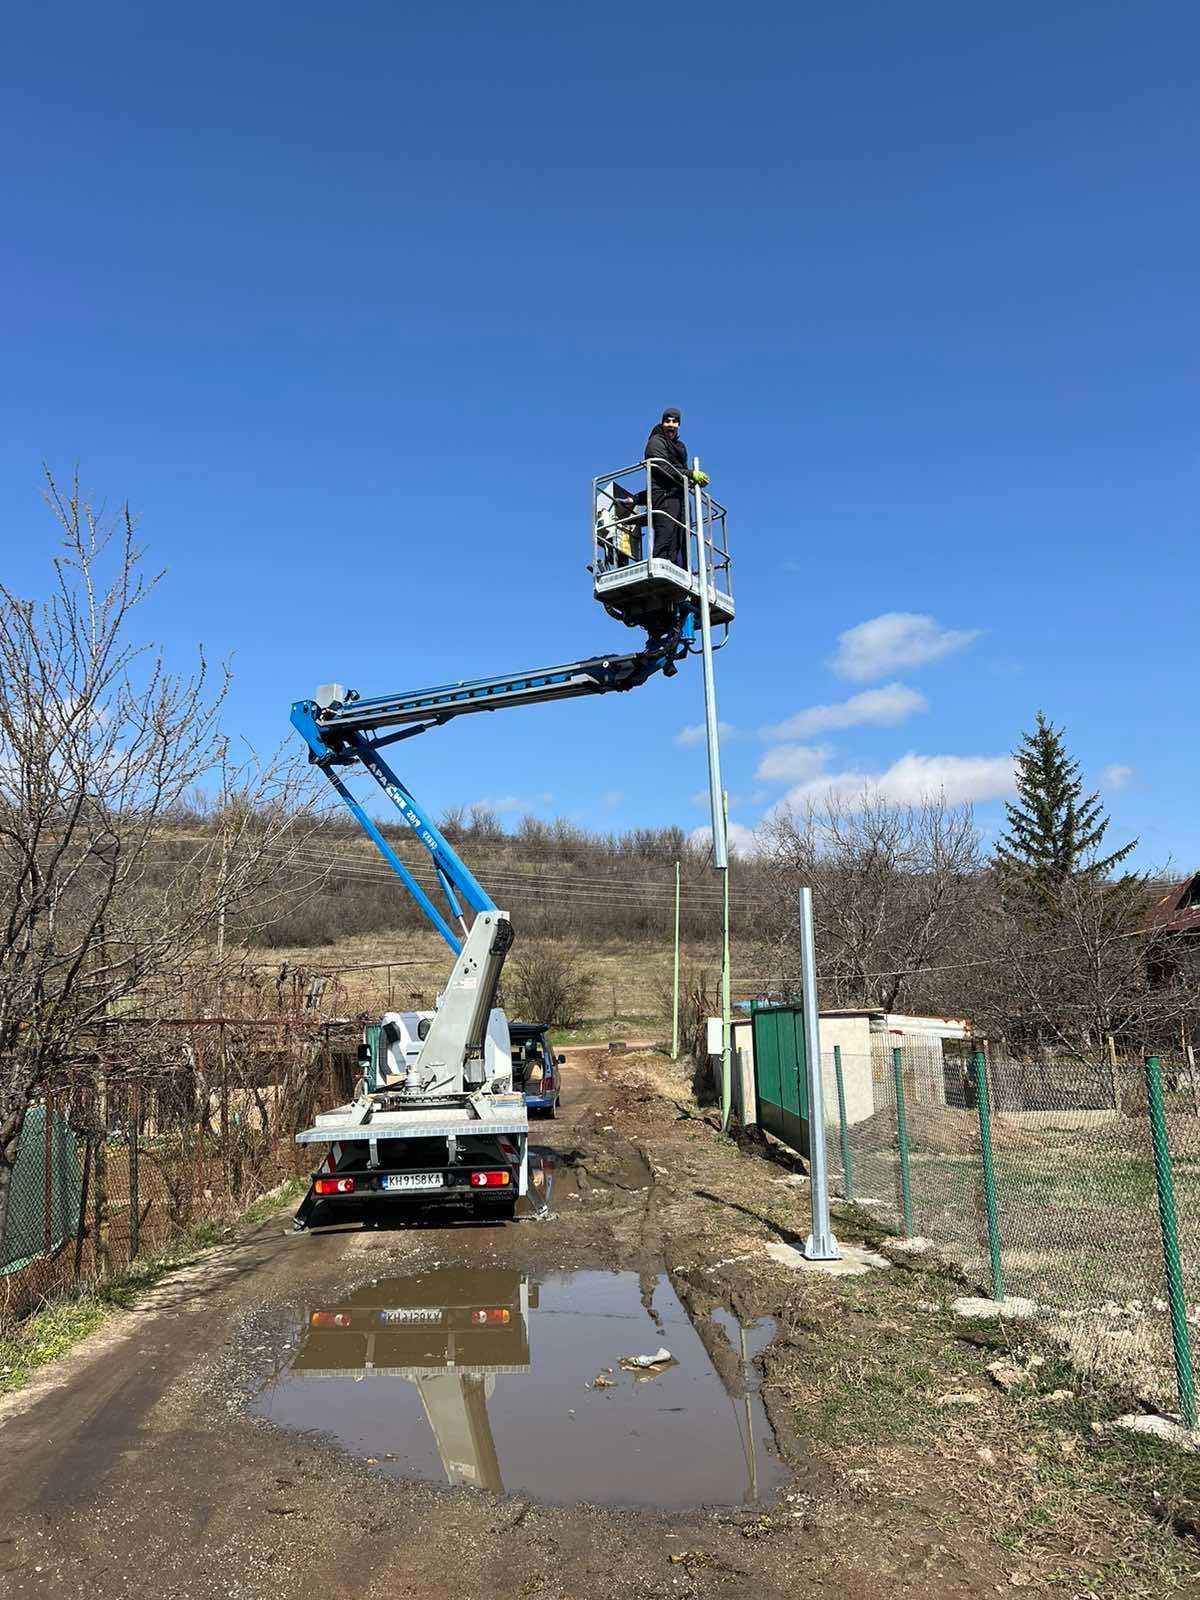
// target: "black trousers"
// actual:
[[670, 543]]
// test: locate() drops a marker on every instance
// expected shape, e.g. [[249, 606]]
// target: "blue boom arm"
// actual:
[[345, 730]]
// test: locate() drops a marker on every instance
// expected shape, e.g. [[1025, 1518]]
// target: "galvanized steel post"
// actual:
[[843, 1131], [984, 1105], [820, 1244], [1164, 1183], [902, 1141], [720, 860], [726, 1032]]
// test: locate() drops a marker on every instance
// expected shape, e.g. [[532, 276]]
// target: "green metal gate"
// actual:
[[781, 1073]]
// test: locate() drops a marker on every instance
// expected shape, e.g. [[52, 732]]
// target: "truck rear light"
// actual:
[[334, 1186], [483, 1318], [489, 1180], [330, 1319]]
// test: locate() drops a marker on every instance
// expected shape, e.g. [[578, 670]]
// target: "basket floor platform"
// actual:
[[642, 588]]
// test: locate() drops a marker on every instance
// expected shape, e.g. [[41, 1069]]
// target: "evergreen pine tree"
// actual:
[[1054, 831]]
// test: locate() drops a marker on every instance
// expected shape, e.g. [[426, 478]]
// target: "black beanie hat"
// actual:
[[672, 411]]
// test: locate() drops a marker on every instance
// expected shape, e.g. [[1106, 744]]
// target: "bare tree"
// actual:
[[100, 746], [1074, 965], [894, 889]]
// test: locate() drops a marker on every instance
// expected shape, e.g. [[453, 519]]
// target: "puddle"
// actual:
[[747, 1341], [487, 1378]]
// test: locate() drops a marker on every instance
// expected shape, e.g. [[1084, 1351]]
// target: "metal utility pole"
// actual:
[[720, 859], [675, 985], [820, 1244], [726, 1030], [716, 795]]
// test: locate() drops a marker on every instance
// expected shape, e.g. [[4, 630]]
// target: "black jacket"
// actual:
[[665, 485]]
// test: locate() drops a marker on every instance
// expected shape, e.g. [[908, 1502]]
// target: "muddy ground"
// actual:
[[892, 1461]]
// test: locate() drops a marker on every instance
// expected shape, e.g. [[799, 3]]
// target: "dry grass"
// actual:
[[68, 1318], [629, 981], [860, 1370]]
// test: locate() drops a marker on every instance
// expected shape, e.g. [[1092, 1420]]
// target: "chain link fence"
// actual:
[[1074, 1218], [155, 1128]]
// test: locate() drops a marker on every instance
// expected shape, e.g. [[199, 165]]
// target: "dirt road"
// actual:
[[442, 1410]]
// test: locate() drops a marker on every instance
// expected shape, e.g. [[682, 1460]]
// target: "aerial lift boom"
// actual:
[[448, 1076]]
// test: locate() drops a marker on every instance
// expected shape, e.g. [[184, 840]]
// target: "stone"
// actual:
[[855, 1259], [1163, 1428], [1006, 1374], [1013, 1306]]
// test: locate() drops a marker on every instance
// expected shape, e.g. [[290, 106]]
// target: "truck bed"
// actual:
[[343, 1123]]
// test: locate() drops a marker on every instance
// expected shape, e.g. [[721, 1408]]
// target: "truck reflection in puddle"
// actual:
[[441, 1376], [449, 1333]]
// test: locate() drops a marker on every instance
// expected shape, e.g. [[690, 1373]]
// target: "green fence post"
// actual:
[[1164, 1183], [847, 1171], [902, 1141], [984, 1106], [675, 983]]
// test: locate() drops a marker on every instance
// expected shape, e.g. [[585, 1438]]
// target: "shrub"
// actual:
[[549, 984]]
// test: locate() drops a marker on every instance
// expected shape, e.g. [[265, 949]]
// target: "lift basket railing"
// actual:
[[624, 521]]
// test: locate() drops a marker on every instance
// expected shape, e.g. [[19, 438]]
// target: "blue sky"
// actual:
[[351, 302]]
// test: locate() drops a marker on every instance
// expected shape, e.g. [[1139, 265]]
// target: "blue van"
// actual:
[[535, 1066]]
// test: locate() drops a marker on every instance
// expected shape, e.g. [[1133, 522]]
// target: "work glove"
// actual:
[[702, 478]]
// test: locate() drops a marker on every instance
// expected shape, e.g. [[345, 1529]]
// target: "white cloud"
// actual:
[[848, 787], [883, 707], [742, 841], [914, 778], [895, 640], [792, 763], [696, 732], [612, 799], [1116, 776], [503, 804]]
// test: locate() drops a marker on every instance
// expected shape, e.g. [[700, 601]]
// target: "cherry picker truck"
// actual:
[[436, 1116]]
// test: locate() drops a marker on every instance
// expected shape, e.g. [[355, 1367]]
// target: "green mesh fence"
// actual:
[[157, 1128], [1074, 1183], [44, 1192]]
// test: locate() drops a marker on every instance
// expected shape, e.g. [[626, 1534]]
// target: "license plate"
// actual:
[[412, 1314], [413, 1180]]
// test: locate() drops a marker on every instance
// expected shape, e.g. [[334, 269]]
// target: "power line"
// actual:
[[428, 880], [484, 869], [601, 894], [954, 966]]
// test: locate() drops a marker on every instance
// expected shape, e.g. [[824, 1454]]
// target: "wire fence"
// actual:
[[1039, 1177], [154, 1128]]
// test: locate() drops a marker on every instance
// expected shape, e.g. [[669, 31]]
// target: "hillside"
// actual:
[[630, 981], [556, 880]]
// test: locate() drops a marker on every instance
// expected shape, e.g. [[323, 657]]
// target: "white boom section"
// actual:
[[453, 1059]]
